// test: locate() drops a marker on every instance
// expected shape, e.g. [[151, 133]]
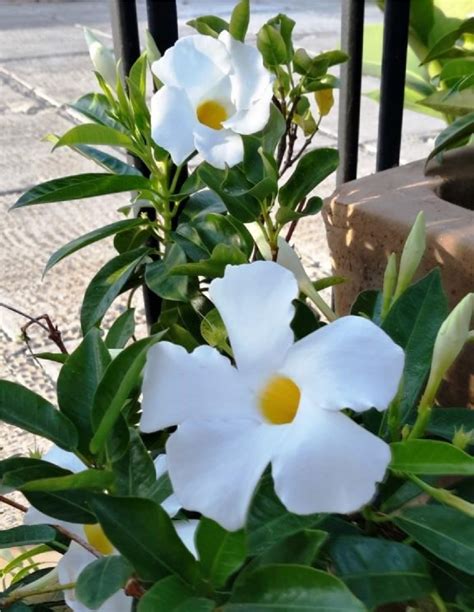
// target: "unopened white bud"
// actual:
[[102, 58], [412, 254]]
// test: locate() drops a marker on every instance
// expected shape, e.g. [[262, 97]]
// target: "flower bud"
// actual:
[[389, 282], [412, 253], [102, 58], [452, 336], [462, 438]]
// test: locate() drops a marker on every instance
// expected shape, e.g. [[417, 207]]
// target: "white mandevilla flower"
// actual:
[[281, 404], [214, 91], [77, 558]]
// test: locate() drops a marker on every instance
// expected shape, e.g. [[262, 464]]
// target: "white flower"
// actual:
[[281, 404], [77, 558], [102, 58], [214, 91]]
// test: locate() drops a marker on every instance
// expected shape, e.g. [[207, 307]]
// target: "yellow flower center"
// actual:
[[97, 539], [212, 114], [279, 400]]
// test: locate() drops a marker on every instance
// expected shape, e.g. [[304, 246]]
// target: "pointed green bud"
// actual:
[[103, 59], [452, 336], [462, 438], [412, 254], [152, 52], [389, 282]]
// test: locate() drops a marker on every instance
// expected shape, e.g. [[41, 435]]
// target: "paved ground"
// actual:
[[44, 65]]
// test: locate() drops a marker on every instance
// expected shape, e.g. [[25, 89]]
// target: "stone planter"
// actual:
[[369, 218]]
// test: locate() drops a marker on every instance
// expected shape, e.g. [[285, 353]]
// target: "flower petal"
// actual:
[[255, 302], [328, 464], [215, 466], [172, 122], [70, 566], [220, 148], [195, 64], [186, 531], [179, 385], [34, 517], [250, 79], [350, 363], [64, 459], [171, 504], [253, 119]]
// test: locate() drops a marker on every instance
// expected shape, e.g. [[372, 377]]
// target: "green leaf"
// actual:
[[291, 588], [93, 134], [88, 479], [80, 186], [413, 323], [311, 170], [214, 267], [202, 203], [135, 472], [56, 357], [122, 330], [445, 421], [446, 42], [239, 21], [445, 532], [286, 214], [214, 331], [27, 534], [221, 553], [451, 102], [106, 161], [457, 132], [160, 277], [99, 580], [25, 409], [209, 25], [77, 384], [430, 457], [285, 26], [120, 378], [107, 285], [90, 238], [68, 506], [271, 45], [300, 548], [172, 595], [95, 106], [269, 521], [153, 547], [379, 571]]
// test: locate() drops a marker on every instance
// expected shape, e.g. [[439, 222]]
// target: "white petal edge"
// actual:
[[252, 119], [171, 504], [195, 64], [328, 464], [173, 121], [215, 466], [178, 385], [64, 459], [255, 303], [350, 363], [186, 530], [70, 566], [220, 148]]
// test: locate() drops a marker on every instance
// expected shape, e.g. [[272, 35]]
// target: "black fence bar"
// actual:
[[352, 38], [392, 88], [163, 22], [125, 32]]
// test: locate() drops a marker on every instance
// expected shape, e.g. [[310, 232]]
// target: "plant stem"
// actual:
[[22, 593], [438, 602]]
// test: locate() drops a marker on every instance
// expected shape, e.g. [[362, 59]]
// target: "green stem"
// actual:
[[438, 602]]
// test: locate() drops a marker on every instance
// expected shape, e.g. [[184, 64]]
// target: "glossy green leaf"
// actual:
[[88, 479], [172, 595], [160, 277], [202, 203], [77, 384], [454, 134], [26, 534], [445, 421], [451, 102], [25, 409], [221, 553], [301, 548], [311, 170], [214, 331], [271, 45], [107, 284], [106, 161], [135, 472], [445, 532], [68, 506], [291, 588], [239, 21], [209, 25], [90, 238], [101, 579], [93, 134], [95, 106], [285, 26], [56, 357], [379, 571], [413, 323], [430, 457], [312, 207], [269, 521], [120, 378], [446, 42], [80, 186], [122, 330], [153, 547], [214, 267]]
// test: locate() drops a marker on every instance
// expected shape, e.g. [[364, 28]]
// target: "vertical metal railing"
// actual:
[[163, 26]]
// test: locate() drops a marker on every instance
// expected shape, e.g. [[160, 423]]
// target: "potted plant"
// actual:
[[255, 451]]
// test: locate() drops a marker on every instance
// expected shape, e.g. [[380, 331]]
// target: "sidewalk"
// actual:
[[44, 64]]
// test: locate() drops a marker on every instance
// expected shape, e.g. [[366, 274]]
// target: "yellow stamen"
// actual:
[[212, 114], [279, 400], [97, 539]]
